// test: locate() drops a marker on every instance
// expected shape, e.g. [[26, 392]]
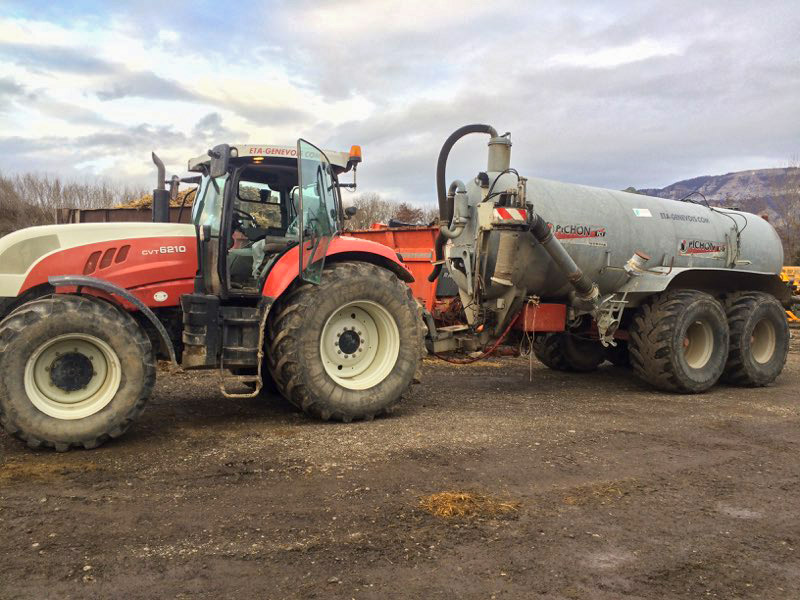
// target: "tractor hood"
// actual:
[[21, 250]]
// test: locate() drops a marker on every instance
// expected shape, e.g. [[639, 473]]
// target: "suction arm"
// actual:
[[441, 187]]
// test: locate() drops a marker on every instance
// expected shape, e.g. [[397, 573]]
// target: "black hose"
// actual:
[[445, 211], [441, 163], [438, 248]]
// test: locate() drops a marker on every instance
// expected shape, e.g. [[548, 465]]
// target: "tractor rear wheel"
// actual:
[[568, 352], [74, 371], [759, 339], [679, 342], [349, 347]]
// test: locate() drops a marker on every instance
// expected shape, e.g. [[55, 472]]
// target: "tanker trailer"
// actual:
[[684, 293]]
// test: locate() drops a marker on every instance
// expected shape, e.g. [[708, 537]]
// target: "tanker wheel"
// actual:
[[759, 339], [567, 352], [73, 372], [349, 347], [679, 342]]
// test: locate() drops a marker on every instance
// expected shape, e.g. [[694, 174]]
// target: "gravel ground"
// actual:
[[620, 492]]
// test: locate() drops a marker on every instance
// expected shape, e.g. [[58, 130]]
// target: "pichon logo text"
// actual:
[[701, 247], [573, 230]]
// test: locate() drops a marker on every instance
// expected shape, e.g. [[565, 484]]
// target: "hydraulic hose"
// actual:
[[441, 187], [584, 287], [457, 221]]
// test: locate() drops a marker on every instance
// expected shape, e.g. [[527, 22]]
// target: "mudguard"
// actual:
[[287, 269]]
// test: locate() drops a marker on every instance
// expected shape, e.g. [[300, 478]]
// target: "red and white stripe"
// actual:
[[510, 214]]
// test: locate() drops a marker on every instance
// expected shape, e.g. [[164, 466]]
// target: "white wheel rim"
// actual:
[[698, 344], [76, 392], [367, 353], [763, 341]]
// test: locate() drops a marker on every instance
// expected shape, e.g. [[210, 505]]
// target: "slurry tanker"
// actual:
[[683, 292]]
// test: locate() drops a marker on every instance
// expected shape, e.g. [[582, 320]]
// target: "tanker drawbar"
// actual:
[[683, 292]]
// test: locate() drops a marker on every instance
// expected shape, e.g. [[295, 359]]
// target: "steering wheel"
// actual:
[[247, 215]]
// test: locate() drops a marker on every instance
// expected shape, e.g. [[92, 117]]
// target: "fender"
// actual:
[[287, 269], [81, 281]]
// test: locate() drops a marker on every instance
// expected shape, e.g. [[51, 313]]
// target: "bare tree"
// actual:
[[32, 199], [786, 202], [405, 213], [371, 209]]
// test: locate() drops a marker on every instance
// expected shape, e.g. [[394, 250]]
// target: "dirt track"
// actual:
[[622, 492]]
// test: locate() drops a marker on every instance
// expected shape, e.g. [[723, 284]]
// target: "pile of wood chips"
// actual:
[[466, 504], [146, 201]]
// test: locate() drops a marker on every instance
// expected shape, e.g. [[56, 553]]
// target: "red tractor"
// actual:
[[260, 286]]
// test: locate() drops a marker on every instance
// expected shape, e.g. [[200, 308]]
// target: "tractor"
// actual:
[[260, 286]]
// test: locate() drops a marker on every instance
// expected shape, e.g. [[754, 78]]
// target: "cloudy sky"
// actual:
[[603, 93]]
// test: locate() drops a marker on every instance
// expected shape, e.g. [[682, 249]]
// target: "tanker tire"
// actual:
[[755, 318], [660, 331], [296, 325], [30, 327], [565, 352]]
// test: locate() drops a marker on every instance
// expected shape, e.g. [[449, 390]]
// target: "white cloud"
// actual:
[[615, 95]]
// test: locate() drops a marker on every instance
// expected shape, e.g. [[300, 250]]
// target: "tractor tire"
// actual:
[[619, 355], [759, 339], [679, 341], [347, 348], [566, 352], [74, 372]]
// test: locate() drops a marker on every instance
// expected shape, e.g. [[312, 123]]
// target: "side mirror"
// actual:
[[350, 212], [220, 157]]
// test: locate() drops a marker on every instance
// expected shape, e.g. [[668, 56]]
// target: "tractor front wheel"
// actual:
[[349, 347], [74, 371]]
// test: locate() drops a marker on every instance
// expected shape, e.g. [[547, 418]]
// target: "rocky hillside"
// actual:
[[762, 190]]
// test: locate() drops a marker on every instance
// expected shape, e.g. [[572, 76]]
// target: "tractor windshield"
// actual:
[[317, 219]]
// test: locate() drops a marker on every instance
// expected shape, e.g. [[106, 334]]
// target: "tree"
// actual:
[[371, 209], [785, 191], [405, 213]]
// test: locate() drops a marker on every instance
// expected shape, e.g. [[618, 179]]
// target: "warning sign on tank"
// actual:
[[703, 248], [574, 233]]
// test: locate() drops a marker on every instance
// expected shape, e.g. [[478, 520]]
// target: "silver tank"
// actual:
[[602, 229]]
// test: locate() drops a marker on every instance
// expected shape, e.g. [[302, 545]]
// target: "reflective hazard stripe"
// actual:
[[510, 214]]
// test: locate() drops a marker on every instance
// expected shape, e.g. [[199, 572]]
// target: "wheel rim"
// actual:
[[359, 345], [698, 344], [763, 341], [72, 376]]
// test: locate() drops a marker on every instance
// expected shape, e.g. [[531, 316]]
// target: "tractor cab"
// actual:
[[255, 203]]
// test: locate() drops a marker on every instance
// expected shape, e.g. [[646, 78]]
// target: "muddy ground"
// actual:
[[621, 492]]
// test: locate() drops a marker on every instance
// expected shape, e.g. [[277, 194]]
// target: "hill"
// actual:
[[761, 190]]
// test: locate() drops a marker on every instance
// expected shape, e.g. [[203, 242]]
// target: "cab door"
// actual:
[[207, 216], [318, 210]]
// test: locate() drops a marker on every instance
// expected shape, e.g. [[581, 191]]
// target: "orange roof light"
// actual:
[[258, 159], [355, 154]]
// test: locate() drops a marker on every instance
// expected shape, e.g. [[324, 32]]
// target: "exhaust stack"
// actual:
[[160, 193]]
